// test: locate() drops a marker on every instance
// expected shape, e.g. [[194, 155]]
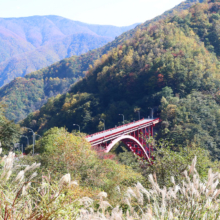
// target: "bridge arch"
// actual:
[[127, 137]]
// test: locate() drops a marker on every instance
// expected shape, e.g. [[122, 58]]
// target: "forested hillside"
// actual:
[[30, 43], [25, 95], [166, 65], [171, 66]]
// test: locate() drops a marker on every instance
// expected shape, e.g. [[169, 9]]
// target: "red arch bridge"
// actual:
[[133, 135]]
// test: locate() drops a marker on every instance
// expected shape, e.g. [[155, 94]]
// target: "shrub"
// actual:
[[64, 152]]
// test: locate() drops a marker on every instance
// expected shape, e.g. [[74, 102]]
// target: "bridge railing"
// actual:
[[101, 132], [114, 133]]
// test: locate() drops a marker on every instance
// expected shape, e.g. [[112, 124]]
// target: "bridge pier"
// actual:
[[133, 135]]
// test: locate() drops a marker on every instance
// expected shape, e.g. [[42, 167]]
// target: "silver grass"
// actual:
[[66, 179], [127, 201], [170, 215], [33, 175], [20, 176], [117, 188], [104, 205], [26, 168], [73, 183], [139, 195], [8, 175], [192, 167], [102, 194], [215, 184], [192, 196], [86, 201], [24, 191], [142, 189], [172, 180], [216, 193], [32, 166], [9, 161], [116, 214], [3, 158], [36, 166]]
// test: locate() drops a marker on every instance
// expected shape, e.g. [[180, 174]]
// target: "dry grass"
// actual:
[[192, 199], [22, 198]]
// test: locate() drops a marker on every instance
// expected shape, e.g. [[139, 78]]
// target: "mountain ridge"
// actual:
[[19, 36]]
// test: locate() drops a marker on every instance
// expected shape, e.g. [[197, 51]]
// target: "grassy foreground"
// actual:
[[22, 197]]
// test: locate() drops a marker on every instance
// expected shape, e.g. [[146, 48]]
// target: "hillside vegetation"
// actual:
[[167, 59], [25, 95]]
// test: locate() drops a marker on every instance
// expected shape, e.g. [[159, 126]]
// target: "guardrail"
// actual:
[[97, 139], [102, 132], [113, 128]]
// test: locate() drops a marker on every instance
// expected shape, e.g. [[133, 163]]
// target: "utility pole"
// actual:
[[103, 121], [26, 138], [152, 112], [78, 126], [30, 130], [38, 135], [139, 114]]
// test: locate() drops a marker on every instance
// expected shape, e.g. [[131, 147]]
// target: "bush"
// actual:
[[63, 152]]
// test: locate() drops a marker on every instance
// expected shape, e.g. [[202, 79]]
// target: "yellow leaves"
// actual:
[[171, 110], [36, 113], [77, 192], [128, 59], [183, 13], [66, 106], [73, 101], [120, 52], [137, 33], [104, 58], [192, 33], [218, 112], [87, 105], [114, 55], [97, 63], [69, 102], [101, 126], [103, 73], [164, 101]]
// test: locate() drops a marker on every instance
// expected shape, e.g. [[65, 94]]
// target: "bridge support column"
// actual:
[[151, 146], [136, 141]]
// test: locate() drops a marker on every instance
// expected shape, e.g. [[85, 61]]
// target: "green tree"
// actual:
[[63, 152], [9, 131]]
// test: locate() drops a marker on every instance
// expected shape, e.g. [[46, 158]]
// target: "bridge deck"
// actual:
[[109, 134]]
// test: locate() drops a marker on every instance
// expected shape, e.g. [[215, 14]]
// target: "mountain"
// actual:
[[31, 43], [25, 95], [173, 63]]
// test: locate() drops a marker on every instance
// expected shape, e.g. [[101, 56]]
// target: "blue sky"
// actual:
[[113, 12]]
